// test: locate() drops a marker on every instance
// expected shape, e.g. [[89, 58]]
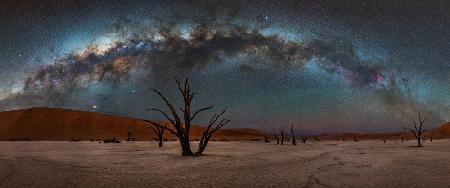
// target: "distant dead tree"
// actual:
[[418, 129], [293, 135], [304, 139], [402, 139], [384, 140], [266, 139], [283, 135], [275, 136], [182, 124], [316, 139], [159, 131], [430, 134], [131, 136]]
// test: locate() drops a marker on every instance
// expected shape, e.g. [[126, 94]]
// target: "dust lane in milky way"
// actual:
[[322, 66]]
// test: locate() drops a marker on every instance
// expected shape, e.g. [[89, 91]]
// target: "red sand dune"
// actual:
[[443, 131], [62, 124]]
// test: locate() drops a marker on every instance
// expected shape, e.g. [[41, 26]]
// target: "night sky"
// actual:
[[324, 66]]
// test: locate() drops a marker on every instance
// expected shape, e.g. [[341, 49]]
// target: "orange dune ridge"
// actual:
[[42, 124]]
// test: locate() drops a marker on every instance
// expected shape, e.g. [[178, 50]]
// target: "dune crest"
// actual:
[[41, 123]]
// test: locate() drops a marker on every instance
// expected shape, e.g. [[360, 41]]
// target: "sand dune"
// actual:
[[63, 124]]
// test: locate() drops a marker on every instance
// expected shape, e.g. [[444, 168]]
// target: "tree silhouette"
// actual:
[[266, 139], [283, 135], [182, 124], [418, 129], [159, 131], [430, 134], [293, 135], [275, 136]]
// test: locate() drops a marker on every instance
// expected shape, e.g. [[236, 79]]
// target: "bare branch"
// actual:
[[222, 123], [180, 88], [171, 107], [164, 113], [199, 110], [160, 126], [153, 129]]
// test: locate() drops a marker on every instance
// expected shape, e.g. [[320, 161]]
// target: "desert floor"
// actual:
[[226, 164]]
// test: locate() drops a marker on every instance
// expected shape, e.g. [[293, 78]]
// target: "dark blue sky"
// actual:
[[324, 66]]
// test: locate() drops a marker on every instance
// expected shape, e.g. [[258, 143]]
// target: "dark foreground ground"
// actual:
[[227, 164]]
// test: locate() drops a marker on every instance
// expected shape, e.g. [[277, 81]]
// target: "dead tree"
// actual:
[[131, 136], [266, 139], [418, 129], [213, 125], [303, 139], [159, 131], [283, 135], [275, 136], [431, 135], [316, 139], [293, 135], [182, 124]]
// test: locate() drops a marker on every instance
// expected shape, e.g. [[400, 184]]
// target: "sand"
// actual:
[[53, 124], [226, 164]]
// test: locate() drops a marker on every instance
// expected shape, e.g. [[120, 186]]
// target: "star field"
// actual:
[[323, 66]]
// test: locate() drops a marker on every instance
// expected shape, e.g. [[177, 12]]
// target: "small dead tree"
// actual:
[[430, 134], [266, 139], [159, 131], [182, 123], [304, 139], [293, 135], [275, 136], [316, 139], [418, 129], [283, 135]]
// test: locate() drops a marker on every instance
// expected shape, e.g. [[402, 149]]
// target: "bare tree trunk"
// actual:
[[186, 149], [431, 135], [283, 135], [293, 136], [419, 143], [275, 136], [160, 138]]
